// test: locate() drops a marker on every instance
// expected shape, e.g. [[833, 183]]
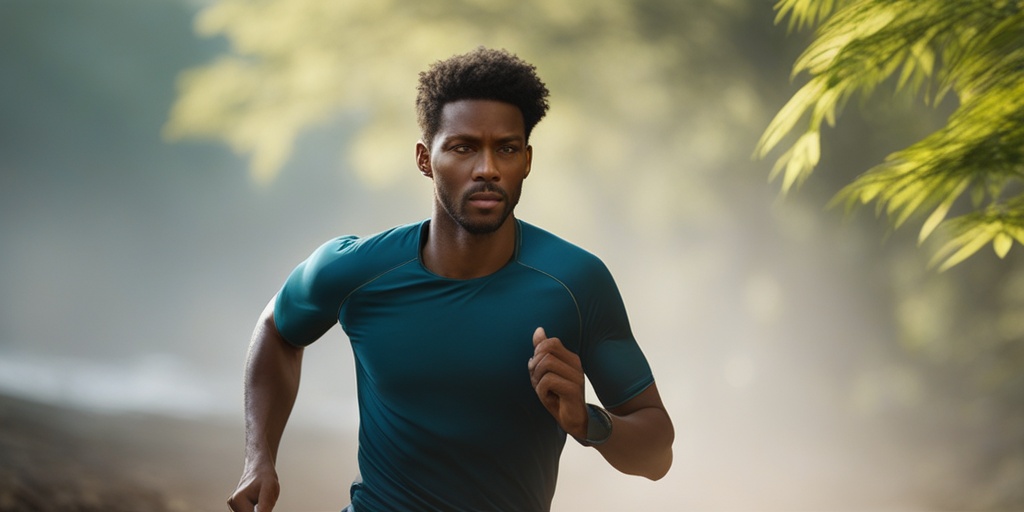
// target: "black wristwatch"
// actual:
[[599, 426]]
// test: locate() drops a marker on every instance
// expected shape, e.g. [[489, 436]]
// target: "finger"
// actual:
[[563, 360], [539, 354], [559, 378], [554, 384], [569, 370], [555, 347], [531, 365], [539, 335], [565, 404], [552, 360], [241, 504], [268, 498]]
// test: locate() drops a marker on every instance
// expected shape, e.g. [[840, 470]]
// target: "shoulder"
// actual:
[[350, 257], [546, 252]]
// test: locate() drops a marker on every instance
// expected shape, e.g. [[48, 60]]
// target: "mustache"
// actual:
[[485, 187]]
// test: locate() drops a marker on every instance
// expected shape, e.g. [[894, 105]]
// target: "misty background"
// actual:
[[809, 359]]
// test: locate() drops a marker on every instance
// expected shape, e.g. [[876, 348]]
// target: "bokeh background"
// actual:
[[164, 164]]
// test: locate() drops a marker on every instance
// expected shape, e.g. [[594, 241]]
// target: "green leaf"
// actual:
[[788, 116], [1002, 244], [977, 195], [939, 214], [969, 243], [802, 158]]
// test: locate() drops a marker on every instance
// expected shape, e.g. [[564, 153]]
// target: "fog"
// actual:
[[133, 267]]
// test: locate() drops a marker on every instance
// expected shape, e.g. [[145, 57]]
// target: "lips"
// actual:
[[486, 200]]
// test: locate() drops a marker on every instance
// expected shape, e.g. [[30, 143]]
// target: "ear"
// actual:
[[529, 160], [423, 159]]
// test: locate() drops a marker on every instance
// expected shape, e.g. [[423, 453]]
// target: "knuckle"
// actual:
[[549, 381], [547, 366]]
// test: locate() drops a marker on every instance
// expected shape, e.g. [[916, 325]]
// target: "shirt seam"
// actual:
[[579, 313], [341, 304]]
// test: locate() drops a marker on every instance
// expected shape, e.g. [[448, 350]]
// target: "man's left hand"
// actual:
[[557, 376]]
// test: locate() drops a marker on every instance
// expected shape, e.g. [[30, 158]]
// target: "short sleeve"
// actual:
[[611, 357], [307, 305]]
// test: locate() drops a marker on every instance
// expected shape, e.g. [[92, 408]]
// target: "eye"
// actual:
[[461, 149], [508, 149]]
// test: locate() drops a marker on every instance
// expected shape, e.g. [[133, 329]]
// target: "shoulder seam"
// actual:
[[579, 314], [368, 281]]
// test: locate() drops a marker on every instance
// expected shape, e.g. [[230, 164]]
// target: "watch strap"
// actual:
[[599, 426]]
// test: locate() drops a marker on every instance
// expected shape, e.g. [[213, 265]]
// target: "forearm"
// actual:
[[642, 433], [641, 443], [271, 385]]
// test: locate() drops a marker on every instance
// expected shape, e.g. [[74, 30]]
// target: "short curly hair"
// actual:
[[482, 74]]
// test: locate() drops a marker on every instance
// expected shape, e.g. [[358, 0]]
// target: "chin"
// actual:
[[482, 227]]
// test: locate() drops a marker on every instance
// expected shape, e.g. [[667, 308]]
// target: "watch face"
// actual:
[[599, 425]]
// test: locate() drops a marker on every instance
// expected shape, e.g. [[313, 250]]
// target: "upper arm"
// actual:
[[612, 359], [267, 337], [307, 304], [649, 398]]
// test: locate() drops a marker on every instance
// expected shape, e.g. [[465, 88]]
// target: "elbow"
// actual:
[[653, 465], [661, 461], [661, 469], [659, 465], [653, 468]]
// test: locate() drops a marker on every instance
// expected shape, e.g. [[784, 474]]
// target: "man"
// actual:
[[458, 409]]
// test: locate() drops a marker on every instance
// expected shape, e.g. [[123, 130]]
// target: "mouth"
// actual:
[[486, 200]]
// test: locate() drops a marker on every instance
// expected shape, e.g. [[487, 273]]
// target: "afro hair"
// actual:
[[482, 74]]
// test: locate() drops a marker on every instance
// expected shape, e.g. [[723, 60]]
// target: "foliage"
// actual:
[[621, 74], [973, 50]]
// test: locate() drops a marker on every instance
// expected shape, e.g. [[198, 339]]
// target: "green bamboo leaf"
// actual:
[[870, 191], [788, 116], [780, 164], [1017, 232], [827, 106], [939, 214], [962, 231], [904, 199], [930, 49], [981, 237], [908, 71], [802, 12], [1001, 244], [805, 156]]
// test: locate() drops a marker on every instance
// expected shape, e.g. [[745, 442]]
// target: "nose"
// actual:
[[486, 168]]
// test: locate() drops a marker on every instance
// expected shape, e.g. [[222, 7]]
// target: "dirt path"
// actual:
[[54, 459]]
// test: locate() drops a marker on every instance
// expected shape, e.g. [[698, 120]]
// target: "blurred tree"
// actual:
[[973, 49], [963, 330], [625, 76]]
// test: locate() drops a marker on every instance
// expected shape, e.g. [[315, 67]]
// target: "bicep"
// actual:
[[269, 346]]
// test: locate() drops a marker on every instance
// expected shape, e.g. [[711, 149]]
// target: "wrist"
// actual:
[[599, 426], [260, 461]]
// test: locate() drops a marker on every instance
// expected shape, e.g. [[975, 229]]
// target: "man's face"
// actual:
[[478, 161]]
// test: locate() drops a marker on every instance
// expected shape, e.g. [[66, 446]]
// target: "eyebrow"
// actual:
[[474, 138]]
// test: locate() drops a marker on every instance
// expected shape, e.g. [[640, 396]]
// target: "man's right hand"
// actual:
[[257, 491]]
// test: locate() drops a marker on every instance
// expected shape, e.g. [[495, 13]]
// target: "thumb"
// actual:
[[539, 335]]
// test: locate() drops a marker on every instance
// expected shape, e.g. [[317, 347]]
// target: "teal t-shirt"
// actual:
[[448, 418]]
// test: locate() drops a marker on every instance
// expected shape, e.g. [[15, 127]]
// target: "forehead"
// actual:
[[480, 118]]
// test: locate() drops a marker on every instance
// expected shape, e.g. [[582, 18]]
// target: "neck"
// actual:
[[453, 252]]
